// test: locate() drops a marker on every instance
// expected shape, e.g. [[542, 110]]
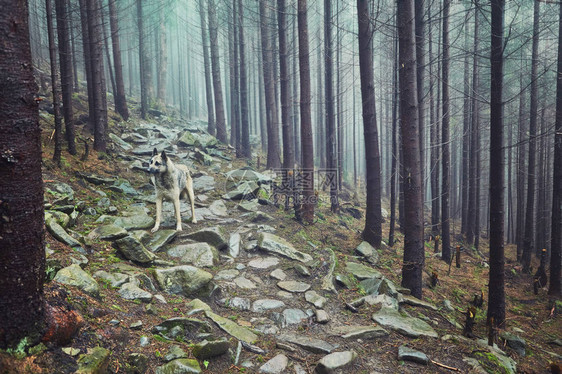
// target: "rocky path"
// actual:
[[245, 299]]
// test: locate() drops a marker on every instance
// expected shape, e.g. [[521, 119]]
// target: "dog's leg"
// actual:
[[177, 210], [190, 195], [158, 213]]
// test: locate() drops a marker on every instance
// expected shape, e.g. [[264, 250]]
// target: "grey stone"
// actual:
[[96, 361], [263, 262], [345, 281], [73, 275], [196, 306], [203, 157], [448, 306], [179, 366], [370, 286], [360, 332], [160, 239], [90, 211], [388, 287], [61, 218], [175, 352], [132, 249], [130, 291], [366, 250], [207, 349], [293, 286], [211, 235], [239, 303], [248, 206], [183, 280], [276, 365], [62, 236], [198, 254], [138, 362], [114, 279], [408, 354], [322, 316], [232, 328], [136, 325], [136, 222], [124, 187], [260, 217], [278, 274], [187, 139], [275, 244], [177, 326], [315, 299], [408, 326], [263, 305], [293, 317], [234, 245], [227, 274], [203, 184], [144, 281], [107, 232], [410, 300], [244, 283], [310, 344], [144, 341], [120, 142], [335, 361], [61, 191], [243, 191], [515, 342], [384, 300], [218, 208], [361, 271], [302, 270], [246, 174]]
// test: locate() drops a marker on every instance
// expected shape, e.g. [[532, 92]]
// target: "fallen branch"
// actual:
[[444, 366]]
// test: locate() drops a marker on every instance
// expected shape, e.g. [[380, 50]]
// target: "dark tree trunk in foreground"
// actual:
[[286, 108], [446, 157], [54, 83], [420, 66], [66, 72], [215, 62], [306, 120], [496, 295], [22, 258], [211, 128], [530, 211], [120, 100], [413, 220], [434, 140], [373, 219], [394, 170], [244, 111], [330, 139], [556, 229]]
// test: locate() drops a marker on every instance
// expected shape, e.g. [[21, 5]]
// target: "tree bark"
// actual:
[[420, 66], [54, 83], [216, 70], [330, 139], [22, 258], [244, 112], [286, 125], [211, 128], [162, 56], [445, 139], [87, 63], [120, 99], [394, 169], [434, 139], [413, 220], [465, 137]]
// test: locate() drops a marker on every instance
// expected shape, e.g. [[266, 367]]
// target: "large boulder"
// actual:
[[183, 280], [197, 254]]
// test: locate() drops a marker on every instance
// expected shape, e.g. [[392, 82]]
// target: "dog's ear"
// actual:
[[154, 151], [164, 157]]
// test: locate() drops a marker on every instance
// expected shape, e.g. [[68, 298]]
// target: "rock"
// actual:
[[179, 366], [260, 306], [361, 271], [410, 300], [144, 281], [96, 361], [120, 142], [196, 306], [366, 250], [328, 280], [73, 275], [144, 341], [293, 286], [137, 222], [302, 270], [388, 287], [183, 280], [203, 157], [315, 299], [62, 236], [187, 140], [243, 191], [61, 191], [232, 328], [115, 279], [95, 179], [360, 332], [146, 149], [515, 342], [124, 187], [136, 325], [207, 349], [322, 316], [212, 236], [260, 217], [174, 353], [371, 286], [61, 218], [234, 245], [335, 361], [384, 300], [263, 262], [198, 254], [448, 306], [160, 239], [130, 291], [292, 316], [244, 283], [138, 363], [278, 274], [248, 206], [310, 344], [234, 177], [408, 326], [107, 232], [276, 365], [408, 354], [181, 327], [218, 208], [274, 244], [71, 351], [132, 249], [203, 184], [236, 303], [227, 274]]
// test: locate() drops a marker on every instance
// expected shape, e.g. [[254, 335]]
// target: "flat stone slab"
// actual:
[[317, 300], [211, 235], [137, 222], [361, 271], [369, 252], [278, 274], [293, 286], [232, 328], [244, 283], [228, 274], [335, 361], [410, 300], [263, 305], [276, 365], [263, 262], [160, 239], [274, 244], [359, 332], [408, 354], [131, 291], [132, 249], [114, 279], [293, 316], [309, 344], [408, 326], [207, 349], [239, 303], [179, 366], [107, 232], [73, 275], [183, 280], [198, 254]]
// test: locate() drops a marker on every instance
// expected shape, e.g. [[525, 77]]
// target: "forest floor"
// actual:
[[532, 317]]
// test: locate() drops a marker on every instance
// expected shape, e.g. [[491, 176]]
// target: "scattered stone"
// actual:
[[292, 317], [260, 217], [248, 206], [276, 365], [132, 249], [160, 239], [360, 332], [293, 286], [335, 361], [263, 305], [274, 244], [62, 236], [138, 362], [135, 222], [144, 341], [211, 235], [239, 303], [263, 262], [174, 353], [388, 287], [315, 299], [244, 283], [345, 281], [232, 328], [371, 286], [136, 325], [366, 250], [143, 281], [218, 208], [384, 300], [181, 326], [196, 306], [408, 354], [198, 254], [130, 291], [361, 271], [71, 351], [107, 232], [285, 295], [278, 274], [207, 349], [179, 366], [322, 316], [61, 218], [448, 306], [310, 344], [73, 275], [408, 326], [120, 142], [96, 361], [410, 300], [234, 245], [302, 270], [227, 274], [204, 183], [515, 342], [183, 280]]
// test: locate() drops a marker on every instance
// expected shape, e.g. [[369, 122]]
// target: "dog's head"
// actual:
[[158, 162]]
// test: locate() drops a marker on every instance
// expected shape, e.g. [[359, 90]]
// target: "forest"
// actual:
[[369, 186]]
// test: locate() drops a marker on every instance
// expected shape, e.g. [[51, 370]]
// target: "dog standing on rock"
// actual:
[[172, 182]]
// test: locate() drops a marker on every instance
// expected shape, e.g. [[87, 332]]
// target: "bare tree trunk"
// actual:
[[288, 152], [413, 220], [496, 296], [215, 62], [320, 117], [142, 59], [434, 139], [87, 63], [330, 139], [521, 173], [234, 89], [306, 121], [162, 56], [420, 66], [22, 305], [445, 139], [103, 26], [465, 137], [96, 55], [211, 128], [372, 232], [54, 83], [76, 84], [120, 99], [394, 169], [245, 120], [297, 147]]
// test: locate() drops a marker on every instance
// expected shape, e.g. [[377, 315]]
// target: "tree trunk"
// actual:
[[106, 47], [76, 85], [216, 70], [234, 89], [465, 137], [521, 172], [211, 128], [413, 220], [96, 55], [54, 83], [22, 305], [142, 59], [434, 139], [87, 63], [297, 147], [162, 56], [120, 100], [496, 296], [66, 72], [372, 232], [308, 197], [330, 139], [445, 138], [393, 172], [286, 125], [245, 120], [420, 66], [554, 288]]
